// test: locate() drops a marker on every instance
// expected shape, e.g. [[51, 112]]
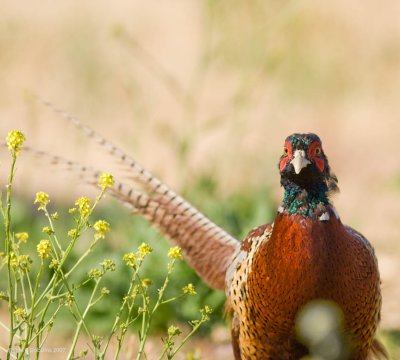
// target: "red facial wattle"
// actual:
[[288, 157], [313, 155]]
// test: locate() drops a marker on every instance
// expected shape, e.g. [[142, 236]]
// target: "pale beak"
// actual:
[[299, 161]]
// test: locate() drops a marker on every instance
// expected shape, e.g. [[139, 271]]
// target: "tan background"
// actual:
[[227, 81]]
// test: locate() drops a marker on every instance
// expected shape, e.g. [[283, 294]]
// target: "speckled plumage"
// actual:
[[292, 262]]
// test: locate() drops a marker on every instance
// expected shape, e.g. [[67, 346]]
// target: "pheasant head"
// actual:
[[305, 175]]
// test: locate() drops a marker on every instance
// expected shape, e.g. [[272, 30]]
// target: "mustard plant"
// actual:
[[42, 284]]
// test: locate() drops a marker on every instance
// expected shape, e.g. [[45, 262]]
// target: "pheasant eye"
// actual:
[[285, 150], [318, 151]]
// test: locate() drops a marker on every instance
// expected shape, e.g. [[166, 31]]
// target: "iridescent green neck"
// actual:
[[302, 202]]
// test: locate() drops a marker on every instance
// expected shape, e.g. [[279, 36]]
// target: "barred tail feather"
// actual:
[[136, 171], [206, 247]]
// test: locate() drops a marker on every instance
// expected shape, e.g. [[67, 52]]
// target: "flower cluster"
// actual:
[[146, 282], [205, 316], [101, 227], [173, 331], [104, 291], [12, 257], [72, 233], [189, 289], [43, 248], [84, 205], [106, 181], [130, 259], [3, 296], [48, 230], [54, 264], [24, 262], [95, 274], [175, 253], [20, 312], [22, 236], [108, 264], [143, 250], [15, 139], [42, 199], [205, 312]]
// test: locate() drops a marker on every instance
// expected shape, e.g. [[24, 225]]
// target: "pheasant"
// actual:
[[306, 254]]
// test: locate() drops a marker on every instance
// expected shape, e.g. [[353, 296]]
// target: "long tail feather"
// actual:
[[136, 171], [206, 247]]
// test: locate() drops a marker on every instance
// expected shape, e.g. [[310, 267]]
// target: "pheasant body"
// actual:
[[306, 254], [292, 262]]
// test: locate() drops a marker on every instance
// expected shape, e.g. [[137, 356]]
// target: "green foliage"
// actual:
[[238, 213], [391, 341], [61, 278]]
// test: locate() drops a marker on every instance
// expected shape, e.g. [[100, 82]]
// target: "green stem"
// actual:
[[146, 324], [42, 315], [43, 328], [52, 229], [9, 247], [30, 285], [21, 273], [86, 253], [186, 338], [118, 318], [81, 321], [31, 315], [128, 321]]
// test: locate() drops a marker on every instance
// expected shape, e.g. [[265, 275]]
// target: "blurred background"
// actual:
[[203, 94]]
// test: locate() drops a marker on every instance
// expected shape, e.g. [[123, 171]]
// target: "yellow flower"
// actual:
[[84, 205], [3, 296], [108, 264], [146, 282], [42, 199], [13, 260], [105, 291], [47, 230], [24, 262], [173, 331], [43, 248], [15, 139], [54, 216], [189, 289], [101, 227], [106, 181], [72, 233], [20, 312], [175, 253], [144, 249], [69, 299], [54, 264], [22, 236], [95, 273], [130, 259], [206, 311]]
